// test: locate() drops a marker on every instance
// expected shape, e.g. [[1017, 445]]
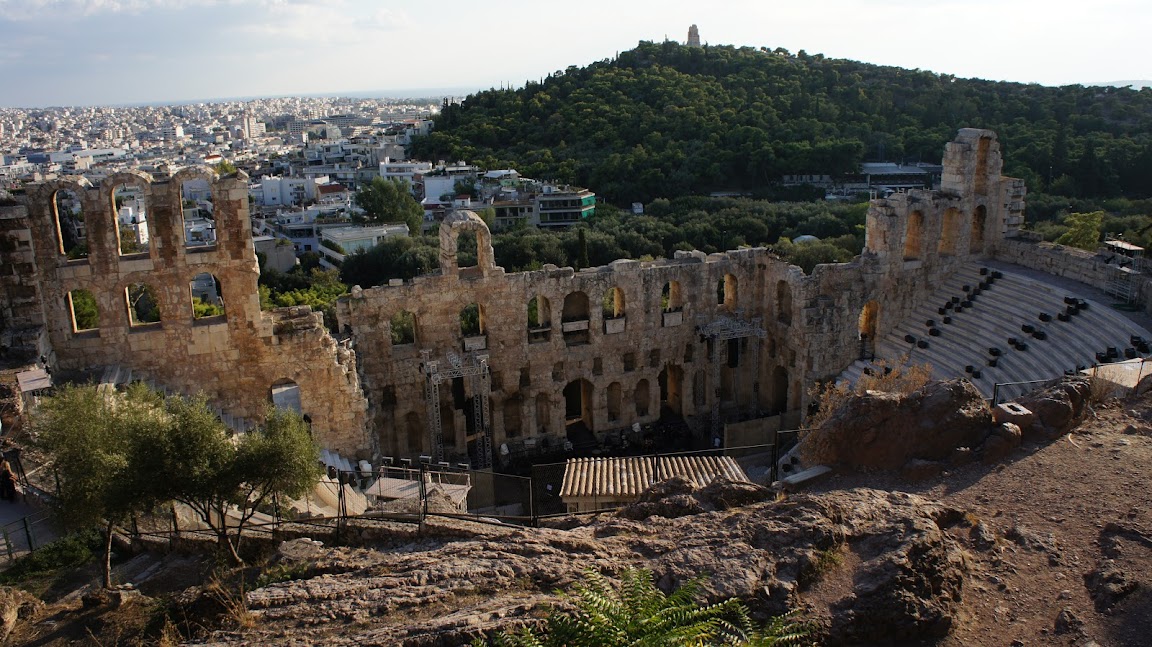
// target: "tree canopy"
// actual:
[[665, 120], [390, 201], [120, 453], [96, 443]]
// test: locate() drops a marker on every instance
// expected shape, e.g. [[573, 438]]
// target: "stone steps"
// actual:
[[996, 315]]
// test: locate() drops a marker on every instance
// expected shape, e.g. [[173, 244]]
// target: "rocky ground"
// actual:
[[1060, 552], [1050, 546]]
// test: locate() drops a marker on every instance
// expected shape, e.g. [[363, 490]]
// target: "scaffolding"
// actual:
[[475, 367], [719, 331], [1123, 261]]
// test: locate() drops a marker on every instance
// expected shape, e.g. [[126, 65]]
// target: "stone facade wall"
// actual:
[[651, 358], [234, 358], [611, 369], [1069, 262]]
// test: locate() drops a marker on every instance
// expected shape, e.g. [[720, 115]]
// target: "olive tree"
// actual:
[[95, 440], [219, 476]]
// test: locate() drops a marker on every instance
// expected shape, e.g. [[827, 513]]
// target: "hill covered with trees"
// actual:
[[667, 120]]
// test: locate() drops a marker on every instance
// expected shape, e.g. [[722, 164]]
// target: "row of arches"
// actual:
[[576, 310], [142, 304], [133, 229], [949, 240], [583, 406]]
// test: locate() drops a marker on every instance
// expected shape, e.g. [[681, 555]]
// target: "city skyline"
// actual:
[[117, 52]]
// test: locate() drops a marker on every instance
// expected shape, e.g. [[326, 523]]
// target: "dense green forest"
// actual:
[[666, 120]]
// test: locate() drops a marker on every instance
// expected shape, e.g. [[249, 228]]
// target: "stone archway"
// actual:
[[672, 388], [453, 226], [868, 325], [578, 405]]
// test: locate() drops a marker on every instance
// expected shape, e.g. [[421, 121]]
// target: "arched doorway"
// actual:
[[868, 323], [672, 389], [414, 432], [779, 390], [512, 418], [285, 394], [578, 403], [614, 397], [641, 398]]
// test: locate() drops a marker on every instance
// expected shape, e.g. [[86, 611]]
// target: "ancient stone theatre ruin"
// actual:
[[484, 361]]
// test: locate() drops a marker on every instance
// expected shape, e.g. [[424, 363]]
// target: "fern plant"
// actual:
[[638, 614]]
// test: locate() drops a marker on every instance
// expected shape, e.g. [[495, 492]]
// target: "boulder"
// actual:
[[679, 497], [1108, 584], [724, 493], [1003, 439], [887, 430], [1057, 409]]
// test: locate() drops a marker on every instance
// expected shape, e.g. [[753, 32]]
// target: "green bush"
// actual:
[[71, 551]]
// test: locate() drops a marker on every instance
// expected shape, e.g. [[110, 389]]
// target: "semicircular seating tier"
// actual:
[[1001, 324]]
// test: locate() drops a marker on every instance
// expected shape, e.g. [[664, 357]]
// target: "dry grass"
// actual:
[[894, 377], [232, 602]]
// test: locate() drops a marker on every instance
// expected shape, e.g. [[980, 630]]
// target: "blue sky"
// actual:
[[85, 52]]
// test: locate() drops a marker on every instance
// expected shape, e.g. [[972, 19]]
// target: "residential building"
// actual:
[[337, 242]]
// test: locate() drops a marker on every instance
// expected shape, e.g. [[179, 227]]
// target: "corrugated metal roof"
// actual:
[[628, 477]]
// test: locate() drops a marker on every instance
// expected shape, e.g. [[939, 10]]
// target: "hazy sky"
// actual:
[[83, 52]]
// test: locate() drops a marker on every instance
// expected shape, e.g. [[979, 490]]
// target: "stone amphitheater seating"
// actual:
[[1001, 312]]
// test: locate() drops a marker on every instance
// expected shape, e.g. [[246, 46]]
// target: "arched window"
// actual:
[[143, 305], [70, 230], [472, 320], [575, 307], [414, 432], [913, 236], [613, 305], [512, 417], [574, 318], [641, 397], [85, 312], [672, 388], [726, 292], [198, 213], [539, 312], [578, 403], [869, 315], [784, 303], [207, 296], [868, 325], [949, 232], [285, 394], [670, 298], [543, 414], [403, 328], [466, 249], [614, 397], [539, 320], [131, 213], [976, 240]]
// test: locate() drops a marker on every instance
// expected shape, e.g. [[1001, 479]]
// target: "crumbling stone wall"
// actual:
[[234, 358], [812, 323], [618, 362], [609, 368]]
